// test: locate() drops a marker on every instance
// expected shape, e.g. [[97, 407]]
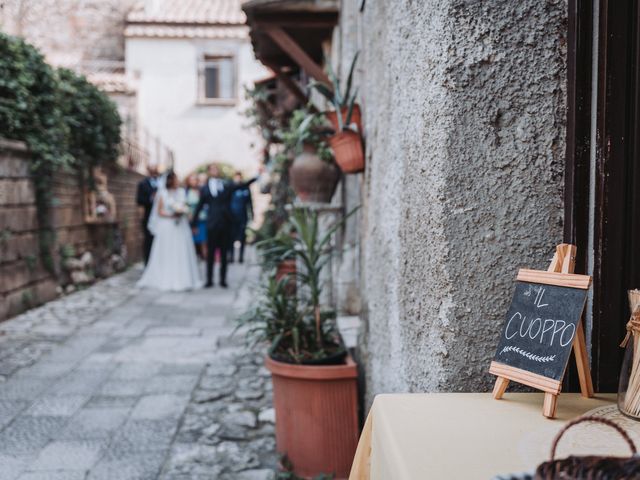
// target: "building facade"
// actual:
[[191, 66], [176, 70]]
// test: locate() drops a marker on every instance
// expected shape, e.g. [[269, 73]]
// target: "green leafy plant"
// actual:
[[278, 320], [306, 128], [259, 112], [276, 248], [339, 99], [314, 252], [225, 170], [93, 120], [30, 110], [297, 327], [66, 122]]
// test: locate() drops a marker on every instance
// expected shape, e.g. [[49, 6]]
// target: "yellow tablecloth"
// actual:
[[468, 435]]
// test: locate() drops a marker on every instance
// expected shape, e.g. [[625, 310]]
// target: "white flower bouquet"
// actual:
[[179, 210]]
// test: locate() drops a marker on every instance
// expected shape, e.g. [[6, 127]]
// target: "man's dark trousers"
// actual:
[[146, 243], [145, 194], [217, 240]]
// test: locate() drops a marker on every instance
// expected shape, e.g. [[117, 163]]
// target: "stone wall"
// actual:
[[24, 282], [86, 30], [464, 114]]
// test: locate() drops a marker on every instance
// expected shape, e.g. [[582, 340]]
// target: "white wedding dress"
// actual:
[[173, 265]]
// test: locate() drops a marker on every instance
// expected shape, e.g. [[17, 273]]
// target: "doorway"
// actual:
[[602, 177]]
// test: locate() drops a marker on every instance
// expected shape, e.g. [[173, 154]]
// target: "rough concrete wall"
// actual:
[[464, 122], [197, 133], [346, 272]]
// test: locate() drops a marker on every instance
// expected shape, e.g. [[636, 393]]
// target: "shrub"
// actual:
[[30, 104], [65, 121], [93, 121]]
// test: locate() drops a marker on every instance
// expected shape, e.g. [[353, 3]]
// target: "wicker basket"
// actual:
[[590, 467]]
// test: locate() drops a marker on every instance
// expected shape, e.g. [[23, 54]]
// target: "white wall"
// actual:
[[167, 71]]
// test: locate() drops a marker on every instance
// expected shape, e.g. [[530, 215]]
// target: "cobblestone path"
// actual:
[[116, 383]]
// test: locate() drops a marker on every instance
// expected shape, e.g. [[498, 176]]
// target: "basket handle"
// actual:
[[593, 419]]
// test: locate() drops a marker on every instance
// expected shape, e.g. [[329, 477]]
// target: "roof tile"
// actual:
[[205, 12]]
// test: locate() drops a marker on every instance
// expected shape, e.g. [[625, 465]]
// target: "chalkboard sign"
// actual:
[[540, 328]]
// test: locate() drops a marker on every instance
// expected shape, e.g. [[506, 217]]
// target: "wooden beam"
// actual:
[[304, 24], [297, 54], [287, 81], [292, 86]]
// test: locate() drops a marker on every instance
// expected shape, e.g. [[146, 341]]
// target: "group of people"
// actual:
[[205, 218]]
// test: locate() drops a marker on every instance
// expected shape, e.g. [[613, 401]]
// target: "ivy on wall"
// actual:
[[66, 121], [93, 121]]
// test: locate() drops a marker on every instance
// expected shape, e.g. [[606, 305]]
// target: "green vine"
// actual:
[[67, 123], [93, 121]]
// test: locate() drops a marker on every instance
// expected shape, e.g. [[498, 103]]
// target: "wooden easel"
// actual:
[[563, 262]]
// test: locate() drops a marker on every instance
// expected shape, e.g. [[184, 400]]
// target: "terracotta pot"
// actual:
[[356, 117], [347, 149], [316, 415], [311, 178], [284, 269]]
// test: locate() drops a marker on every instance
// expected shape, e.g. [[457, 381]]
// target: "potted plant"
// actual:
[[313, 174], [314, 378], [347, 145], [340, 100], [276, 254], [347, 140]]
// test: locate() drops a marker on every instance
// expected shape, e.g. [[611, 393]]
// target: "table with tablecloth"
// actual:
[[473, 436]]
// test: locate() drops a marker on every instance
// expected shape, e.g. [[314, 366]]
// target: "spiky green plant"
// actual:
[[339, 99], [296, 326]]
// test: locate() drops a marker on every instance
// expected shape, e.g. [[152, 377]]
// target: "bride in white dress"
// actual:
[[173, 265]]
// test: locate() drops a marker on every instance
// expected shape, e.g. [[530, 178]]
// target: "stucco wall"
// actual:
[[167, 71], [464, 111]]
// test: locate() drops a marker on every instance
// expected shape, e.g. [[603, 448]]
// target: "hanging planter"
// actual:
[[313, 179], [346, 120], [348, 151], [356, 117]]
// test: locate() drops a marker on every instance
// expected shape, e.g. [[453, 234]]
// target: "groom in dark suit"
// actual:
[[144, 198], [216, 194]]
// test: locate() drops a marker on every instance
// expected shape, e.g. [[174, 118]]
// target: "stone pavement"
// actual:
[[116, 383]]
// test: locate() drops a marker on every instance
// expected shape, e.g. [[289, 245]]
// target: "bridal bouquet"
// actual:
[[179, 209]]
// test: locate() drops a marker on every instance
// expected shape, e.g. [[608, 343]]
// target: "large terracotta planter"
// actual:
[[316, 415], [356, 117], [313, 179], [347, 149]]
